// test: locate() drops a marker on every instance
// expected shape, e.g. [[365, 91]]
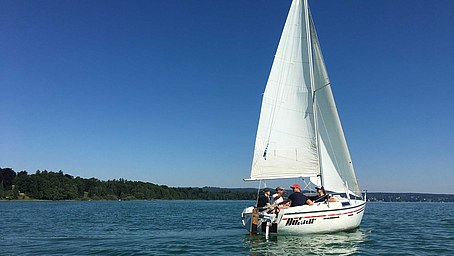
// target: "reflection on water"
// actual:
[[342, 243]]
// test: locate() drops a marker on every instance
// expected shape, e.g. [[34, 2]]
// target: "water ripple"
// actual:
[[211, 227]]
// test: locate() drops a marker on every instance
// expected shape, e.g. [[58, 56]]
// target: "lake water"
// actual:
[[211, 228]]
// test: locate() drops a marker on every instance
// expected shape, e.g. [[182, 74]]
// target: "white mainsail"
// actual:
[[286, 141], [292, 140]]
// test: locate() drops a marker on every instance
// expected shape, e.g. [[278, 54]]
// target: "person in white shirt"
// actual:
[[277, 197]]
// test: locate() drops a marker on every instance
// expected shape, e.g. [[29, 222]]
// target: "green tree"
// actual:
[[60, 186], [15, 192], [1, 190], [7, 175]]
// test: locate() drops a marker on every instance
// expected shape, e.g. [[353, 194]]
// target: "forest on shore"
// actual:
[[48, 185], [44, 185]]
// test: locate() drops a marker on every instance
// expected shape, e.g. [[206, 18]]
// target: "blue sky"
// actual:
[[169, 92]]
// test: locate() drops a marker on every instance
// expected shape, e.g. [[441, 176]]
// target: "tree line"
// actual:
[[48, 185]]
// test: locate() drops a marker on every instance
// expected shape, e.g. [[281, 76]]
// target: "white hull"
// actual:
[[310, 219]]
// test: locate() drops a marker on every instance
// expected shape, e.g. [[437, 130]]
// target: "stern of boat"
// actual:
[[246, 218]]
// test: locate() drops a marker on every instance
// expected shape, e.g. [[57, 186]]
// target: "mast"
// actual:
[[311, 75]]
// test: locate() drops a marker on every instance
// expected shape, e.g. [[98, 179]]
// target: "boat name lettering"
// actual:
[[299, 221]]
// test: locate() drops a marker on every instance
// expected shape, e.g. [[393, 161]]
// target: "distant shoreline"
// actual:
[[371, 197], [31, 200], [57, 186], [41, 200]]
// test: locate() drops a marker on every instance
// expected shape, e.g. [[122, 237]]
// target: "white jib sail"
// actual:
[[286, 140], [336, 163]]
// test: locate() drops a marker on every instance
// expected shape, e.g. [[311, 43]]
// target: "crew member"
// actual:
[[322, 196], [297, 198], [264, 200]]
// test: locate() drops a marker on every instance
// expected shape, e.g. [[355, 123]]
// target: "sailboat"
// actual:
[[300, 136]]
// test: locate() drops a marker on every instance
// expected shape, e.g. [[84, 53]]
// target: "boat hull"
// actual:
[[318, 218]]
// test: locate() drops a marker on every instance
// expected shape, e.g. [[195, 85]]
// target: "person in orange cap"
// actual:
[[297, 198]]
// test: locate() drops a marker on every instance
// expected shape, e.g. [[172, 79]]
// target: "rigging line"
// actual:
[[322, 87], [258, 194], [307, 184]]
